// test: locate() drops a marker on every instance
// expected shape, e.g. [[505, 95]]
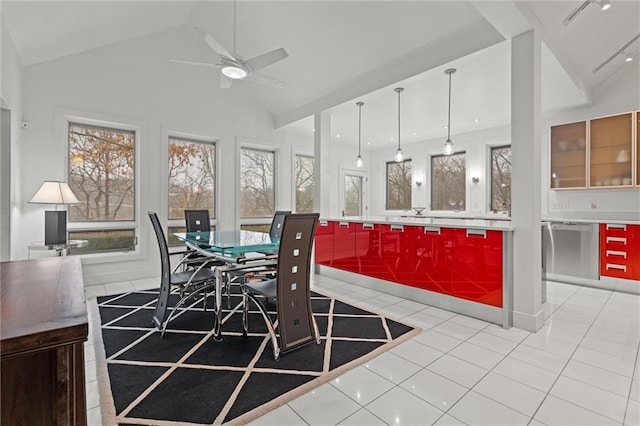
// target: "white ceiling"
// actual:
[[345, 51]]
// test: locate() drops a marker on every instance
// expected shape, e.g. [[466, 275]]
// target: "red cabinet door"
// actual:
[[398, 253], [477, 266], [636, 251], [324, 243], [344, 246], [368, 249], [434, 259], [617, 250]]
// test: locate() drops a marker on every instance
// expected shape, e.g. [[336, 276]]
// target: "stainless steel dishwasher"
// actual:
[[570, 251]]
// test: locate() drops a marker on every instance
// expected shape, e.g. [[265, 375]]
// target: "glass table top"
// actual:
[[230, 242]]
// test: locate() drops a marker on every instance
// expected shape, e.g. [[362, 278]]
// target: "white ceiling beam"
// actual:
[[504, 16], [434, 54], [537, 25]]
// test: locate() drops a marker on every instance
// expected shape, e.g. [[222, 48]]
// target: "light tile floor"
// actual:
[[581, 368]]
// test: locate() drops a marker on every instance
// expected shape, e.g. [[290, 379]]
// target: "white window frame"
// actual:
[[459, 150], [489, 171], [386, 185], [365, 188], [65, 118]]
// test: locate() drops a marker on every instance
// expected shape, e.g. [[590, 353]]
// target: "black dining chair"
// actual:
[[191, 282], [276, 223], [197, 221], [296, 325]]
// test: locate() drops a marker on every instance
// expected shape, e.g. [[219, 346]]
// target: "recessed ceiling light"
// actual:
[[337, 135], [444, 127], [414, 133], [391, 137], [368, 143], [475, 120]]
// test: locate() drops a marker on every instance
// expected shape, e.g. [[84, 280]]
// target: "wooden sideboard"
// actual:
[[43, 327]]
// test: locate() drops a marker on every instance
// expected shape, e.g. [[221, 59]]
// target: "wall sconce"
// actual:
[[475, 179], [418, 183]]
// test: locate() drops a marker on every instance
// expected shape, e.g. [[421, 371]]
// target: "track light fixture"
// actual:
[[359, 159], [399, 155], [604, 5], [622, 50]]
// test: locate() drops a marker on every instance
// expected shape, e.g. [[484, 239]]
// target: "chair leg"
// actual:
[[270, 326], [181, 302], [245, 315]]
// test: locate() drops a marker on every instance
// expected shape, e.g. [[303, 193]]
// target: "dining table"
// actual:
[[238, 250]]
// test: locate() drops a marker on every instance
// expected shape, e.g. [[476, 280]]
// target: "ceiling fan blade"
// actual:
[[225, 82], [258, 62], [188, 62], [213, 43], [266, 79]]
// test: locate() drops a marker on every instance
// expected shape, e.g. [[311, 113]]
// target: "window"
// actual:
[[399, 185], [257, 183], [304, 184], [448, 177], [501, 178], [192, 177], [102, 176]]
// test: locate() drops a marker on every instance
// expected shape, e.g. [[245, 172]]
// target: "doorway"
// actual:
[[353, 193]]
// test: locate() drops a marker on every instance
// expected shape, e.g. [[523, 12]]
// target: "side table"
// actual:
[[59, 248]]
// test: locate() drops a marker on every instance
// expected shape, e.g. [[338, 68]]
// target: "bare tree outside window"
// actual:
[[191, 177], [257, 183], [448, 177], [101, 173], [352, 195], [501, 178], [399, 185], [304, 184]]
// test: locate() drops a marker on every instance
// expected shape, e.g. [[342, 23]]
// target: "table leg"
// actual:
[[218, 307]]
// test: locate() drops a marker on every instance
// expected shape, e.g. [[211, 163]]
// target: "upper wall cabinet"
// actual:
[[597, 153], [569, 155], [611, 151]]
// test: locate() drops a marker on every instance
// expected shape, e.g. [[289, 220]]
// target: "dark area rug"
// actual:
[[187, 377]]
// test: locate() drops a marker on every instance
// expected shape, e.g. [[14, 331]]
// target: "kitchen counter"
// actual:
[[491, 224]]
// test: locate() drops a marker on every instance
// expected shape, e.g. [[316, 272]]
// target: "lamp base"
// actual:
[[55, 227]]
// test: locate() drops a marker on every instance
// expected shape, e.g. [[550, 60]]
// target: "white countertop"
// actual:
[[491, 224]]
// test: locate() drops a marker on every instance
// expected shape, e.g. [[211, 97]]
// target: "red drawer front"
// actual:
[[615, 230], [477, 266], [324, 243], [434, 259], [617, 269], [344, 246], [368, 249], [398, 248]]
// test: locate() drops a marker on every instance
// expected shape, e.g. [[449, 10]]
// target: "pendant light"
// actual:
[[399, 155], [359, 159], [448, 145]]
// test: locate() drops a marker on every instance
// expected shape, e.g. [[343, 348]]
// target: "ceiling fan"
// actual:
[[233, 67]]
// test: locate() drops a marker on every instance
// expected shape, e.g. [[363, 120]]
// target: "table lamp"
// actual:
[[55, 221]]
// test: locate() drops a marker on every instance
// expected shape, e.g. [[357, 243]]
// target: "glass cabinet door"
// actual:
[[569, 155], [611, 151]]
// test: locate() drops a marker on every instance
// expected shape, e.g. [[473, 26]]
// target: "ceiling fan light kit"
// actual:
[[448, 145], [399, 156]]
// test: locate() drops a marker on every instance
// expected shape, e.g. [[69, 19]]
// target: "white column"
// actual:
[[322, 163], [526, 180]]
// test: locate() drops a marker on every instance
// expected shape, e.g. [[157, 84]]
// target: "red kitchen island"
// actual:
[[461, 265]]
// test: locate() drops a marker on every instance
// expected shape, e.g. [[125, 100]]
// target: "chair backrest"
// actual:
[[276, 224], [165, 277], [197, 220], [294, 279]]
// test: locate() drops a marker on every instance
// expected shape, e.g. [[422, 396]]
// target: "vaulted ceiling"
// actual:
[[345, 51]]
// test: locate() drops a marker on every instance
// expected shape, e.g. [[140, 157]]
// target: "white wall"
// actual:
[[11, 89], [619, 95], [133, 83], [476, 145]]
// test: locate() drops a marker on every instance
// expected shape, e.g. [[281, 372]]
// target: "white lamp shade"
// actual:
[[53, 192]]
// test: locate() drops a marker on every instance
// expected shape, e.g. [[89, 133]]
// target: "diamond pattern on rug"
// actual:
[[187, 376]]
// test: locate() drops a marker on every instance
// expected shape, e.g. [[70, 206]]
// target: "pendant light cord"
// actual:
[[359, 123], [449, 112], [399, 90]]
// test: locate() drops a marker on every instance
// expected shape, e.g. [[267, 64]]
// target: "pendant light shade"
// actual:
[[359, 159], [399, 155], [448, 145]]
